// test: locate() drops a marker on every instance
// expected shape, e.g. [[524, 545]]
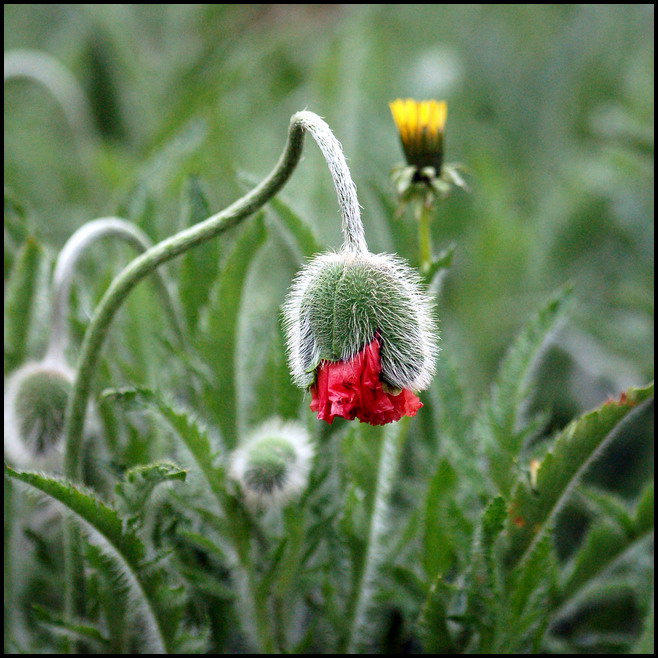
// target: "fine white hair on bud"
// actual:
[[340, 302], [36, 396], [272, 465]]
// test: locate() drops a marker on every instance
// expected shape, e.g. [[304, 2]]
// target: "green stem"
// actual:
[[367, 571], [424, 216], [143, 265], [119, 289], [9, 605]]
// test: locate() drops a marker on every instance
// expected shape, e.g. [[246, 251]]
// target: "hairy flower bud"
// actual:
[[369, 311], [273, 464], [35, 404]]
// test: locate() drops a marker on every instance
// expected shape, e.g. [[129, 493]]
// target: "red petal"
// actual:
[[352, 389]]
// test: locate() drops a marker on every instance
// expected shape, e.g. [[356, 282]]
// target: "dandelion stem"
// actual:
[[424, 216]]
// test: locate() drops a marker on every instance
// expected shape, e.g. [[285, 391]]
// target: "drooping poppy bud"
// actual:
[[359, 327], [361, 335], [35, 404], [273, 464]]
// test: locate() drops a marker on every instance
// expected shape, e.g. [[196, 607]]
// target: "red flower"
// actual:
[[352, 389]]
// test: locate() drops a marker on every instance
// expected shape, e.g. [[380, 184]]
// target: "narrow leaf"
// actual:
[[19, 302], [218, 344]]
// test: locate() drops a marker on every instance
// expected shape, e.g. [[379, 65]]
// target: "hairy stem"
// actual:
[[66, 266], [367, 572], [178, 244]]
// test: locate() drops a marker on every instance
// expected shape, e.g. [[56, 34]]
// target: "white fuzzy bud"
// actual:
[[273, 464], [340, 301], [36, 396]]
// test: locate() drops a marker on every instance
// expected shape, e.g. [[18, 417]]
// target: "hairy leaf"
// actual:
[[159, 603], [498, 422]]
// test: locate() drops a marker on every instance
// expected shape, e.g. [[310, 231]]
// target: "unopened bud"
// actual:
[[340, 302], [272, 466], [35, 405]]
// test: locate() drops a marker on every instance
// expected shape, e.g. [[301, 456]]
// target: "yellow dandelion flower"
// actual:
[[421, 125]]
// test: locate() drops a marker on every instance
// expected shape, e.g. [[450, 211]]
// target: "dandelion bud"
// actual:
[[35, 404], [360, 334], [272, 466]]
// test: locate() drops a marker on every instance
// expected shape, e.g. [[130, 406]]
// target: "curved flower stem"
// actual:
[[66, 266], [173, 246], [367, 571]]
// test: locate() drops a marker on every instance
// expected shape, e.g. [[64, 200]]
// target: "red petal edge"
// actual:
[[352, 389]]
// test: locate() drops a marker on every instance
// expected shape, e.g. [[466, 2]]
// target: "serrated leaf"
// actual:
[[606, 543], [78, 631], [186, 427], [482, 583], [113, 594], [533, 509], [218, 342], [19, 302], [498, 422], [159, 603], [138, 484]]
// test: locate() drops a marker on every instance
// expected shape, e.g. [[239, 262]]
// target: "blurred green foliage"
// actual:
[[550, 108]]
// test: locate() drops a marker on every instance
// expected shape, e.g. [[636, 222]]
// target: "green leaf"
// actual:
[[532, 510], [199, 266], [16, 231], [221, 322], [644, 512], [186, 428], [159, 603], [645, 644], [498, 423], [19, 302], [605, 544], [609, 506], [112, 593], [301, 235], [442, 262], [433, 620], [138, 484], [482, 583], [438, 537], [77, 631]]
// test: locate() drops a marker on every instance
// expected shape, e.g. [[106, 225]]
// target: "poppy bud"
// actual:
[[360, 333], [35, 404], [273, 464]]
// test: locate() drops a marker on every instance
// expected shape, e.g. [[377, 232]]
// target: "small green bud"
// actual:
[[341, 301], [273, 464], [36, 396]]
